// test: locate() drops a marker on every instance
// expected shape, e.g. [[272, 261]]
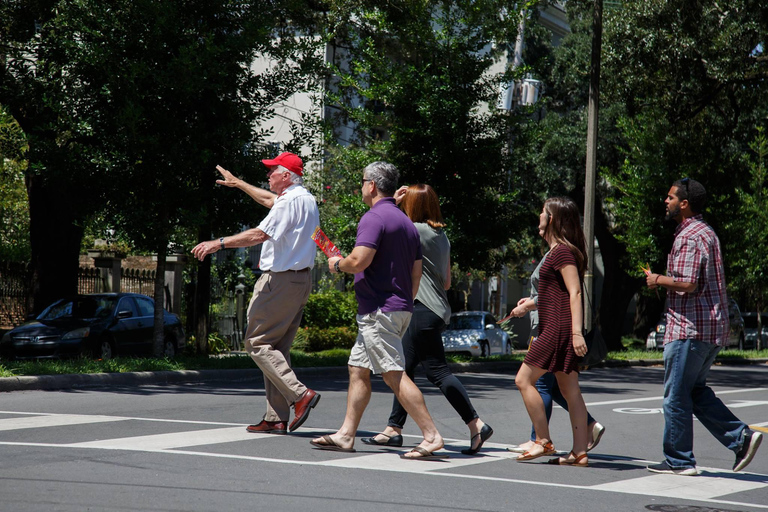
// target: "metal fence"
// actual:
[[137, 281]]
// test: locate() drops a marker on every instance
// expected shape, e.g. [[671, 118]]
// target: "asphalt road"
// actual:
[[183, 447]]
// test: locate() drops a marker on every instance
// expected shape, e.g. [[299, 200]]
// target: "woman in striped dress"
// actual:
[[560, 340]]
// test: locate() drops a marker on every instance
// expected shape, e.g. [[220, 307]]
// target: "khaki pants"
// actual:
[[274, 315]]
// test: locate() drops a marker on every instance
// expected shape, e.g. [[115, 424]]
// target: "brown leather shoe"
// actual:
[[302, 407], [268, 427]]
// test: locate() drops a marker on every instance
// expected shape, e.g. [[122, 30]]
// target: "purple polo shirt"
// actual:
[[387, 283]]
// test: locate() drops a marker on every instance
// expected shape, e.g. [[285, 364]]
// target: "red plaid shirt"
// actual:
[[696, 258]]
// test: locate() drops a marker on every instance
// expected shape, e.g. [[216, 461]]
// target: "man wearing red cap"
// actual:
[[287, 255]]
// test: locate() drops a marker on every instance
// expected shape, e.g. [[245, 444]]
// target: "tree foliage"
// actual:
[[419, 82], [14, 209], [750, 263], [690, 78]]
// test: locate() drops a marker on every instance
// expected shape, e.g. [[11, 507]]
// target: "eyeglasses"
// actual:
[[362, 184]]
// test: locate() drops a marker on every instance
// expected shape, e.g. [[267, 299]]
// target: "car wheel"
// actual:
[[169, 348], [106, 349], [485, 349], [507, 347]]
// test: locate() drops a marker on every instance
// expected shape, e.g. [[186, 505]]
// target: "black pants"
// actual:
[[423, 344]]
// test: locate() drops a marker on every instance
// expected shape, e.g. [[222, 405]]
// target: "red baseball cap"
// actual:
[[288, 160]]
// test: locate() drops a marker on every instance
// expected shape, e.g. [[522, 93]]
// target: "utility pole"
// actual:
[[591, 171]]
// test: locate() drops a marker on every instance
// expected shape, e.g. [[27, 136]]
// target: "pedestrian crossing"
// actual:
[[711, 486]]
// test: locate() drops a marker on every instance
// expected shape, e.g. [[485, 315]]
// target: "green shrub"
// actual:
[[331, 308], [314, 339], [217, 344]]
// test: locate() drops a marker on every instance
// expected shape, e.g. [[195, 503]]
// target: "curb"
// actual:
[[97, 380]]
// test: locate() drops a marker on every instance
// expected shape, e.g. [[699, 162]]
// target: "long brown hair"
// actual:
[[565, 228], [421, 204]]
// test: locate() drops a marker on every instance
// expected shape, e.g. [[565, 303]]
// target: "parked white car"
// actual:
[[475, 333]]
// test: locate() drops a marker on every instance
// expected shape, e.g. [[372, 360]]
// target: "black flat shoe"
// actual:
[[485, 433], [391, 441]]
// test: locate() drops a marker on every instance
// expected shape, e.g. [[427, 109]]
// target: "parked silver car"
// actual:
[[655, 338], [475, 333], [750, 330]]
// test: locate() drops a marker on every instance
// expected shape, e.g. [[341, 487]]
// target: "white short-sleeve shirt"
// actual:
[[290, 224]]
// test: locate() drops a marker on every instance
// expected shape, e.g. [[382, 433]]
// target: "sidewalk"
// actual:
[[98, 380]]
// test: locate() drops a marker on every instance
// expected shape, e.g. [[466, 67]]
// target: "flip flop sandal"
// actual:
[[549, 449], [396, 440], [330, 445], [423, 455]]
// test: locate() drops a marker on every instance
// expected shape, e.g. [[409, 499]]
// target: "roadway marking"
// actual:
[[686, 487], [58, 420], [173, 440], [651, 398], [706, 487]]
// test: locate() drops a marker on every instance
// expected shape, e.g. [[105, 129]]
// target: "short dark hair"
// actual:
[[694, 192], [384, 175]]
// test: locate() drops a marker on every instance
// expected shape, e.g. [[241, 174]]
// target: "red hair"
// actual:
[[421, 204]]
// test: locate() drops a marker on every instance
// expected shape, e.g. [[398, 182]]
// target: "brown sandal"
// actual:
[[549, 449], [580, 462]]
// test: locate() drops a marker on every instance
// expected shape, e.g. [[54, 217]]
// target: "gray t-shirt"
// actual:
[[436, 252], [535, 297]]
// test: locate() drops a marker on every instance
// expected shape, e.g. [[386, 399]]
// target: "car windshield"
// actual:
[[466, 322], [79, 308]]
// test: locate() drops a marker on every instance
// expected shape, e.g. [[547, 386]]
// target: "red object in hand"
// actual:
[[325, 244]]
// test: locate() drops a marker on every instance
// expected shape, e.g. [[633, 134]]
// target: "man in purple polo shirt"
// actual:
[[386, 262], [697, 328]]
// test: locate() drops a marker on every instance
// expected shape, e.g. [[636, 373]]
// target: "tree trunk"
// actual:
[[158, 337], [55, 235], [618, 287]]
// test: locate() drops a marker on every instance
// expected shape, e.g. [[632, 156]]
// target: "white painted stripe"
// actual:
[[174, 440], [656, 398], [58, 420], [121, 418], [391, 461], [685, 487], [418, 467]]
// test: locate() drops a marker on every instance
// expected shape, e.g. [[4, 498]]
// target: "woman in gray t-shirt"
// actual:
[[423, 342]]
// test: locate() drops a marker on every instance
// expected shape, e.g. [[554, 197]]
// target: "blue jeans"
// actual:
[[686, 366], [550, 391]]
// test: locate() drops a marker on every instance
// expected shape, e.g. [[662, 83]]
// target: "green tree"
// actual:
[[150, 97], [690, 79], [750, 264], [185, 100], [417, 81], [14, 211]]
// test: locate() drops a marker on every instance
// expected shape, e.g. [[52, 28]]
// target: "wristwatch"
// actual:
[[221, 241], [336, 267]]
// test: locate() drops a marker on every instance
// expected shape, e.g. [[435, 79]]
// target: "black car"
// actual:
[[101, 325]]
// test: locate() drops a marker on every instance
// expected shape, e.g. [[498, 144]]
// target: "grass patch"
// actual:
[[326, 358]]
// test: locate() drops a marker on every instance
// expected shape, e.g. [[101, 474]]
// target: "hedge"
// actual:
[[315, 339]]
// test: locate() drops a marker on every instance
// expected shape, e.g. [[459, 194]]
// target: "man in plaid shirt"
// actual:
[[697, 328]]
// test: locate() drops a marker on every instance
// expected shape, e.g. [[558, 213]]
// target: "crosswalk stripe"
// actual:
[[174, 440], [54, 421], [707, 487], [685, 487]]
